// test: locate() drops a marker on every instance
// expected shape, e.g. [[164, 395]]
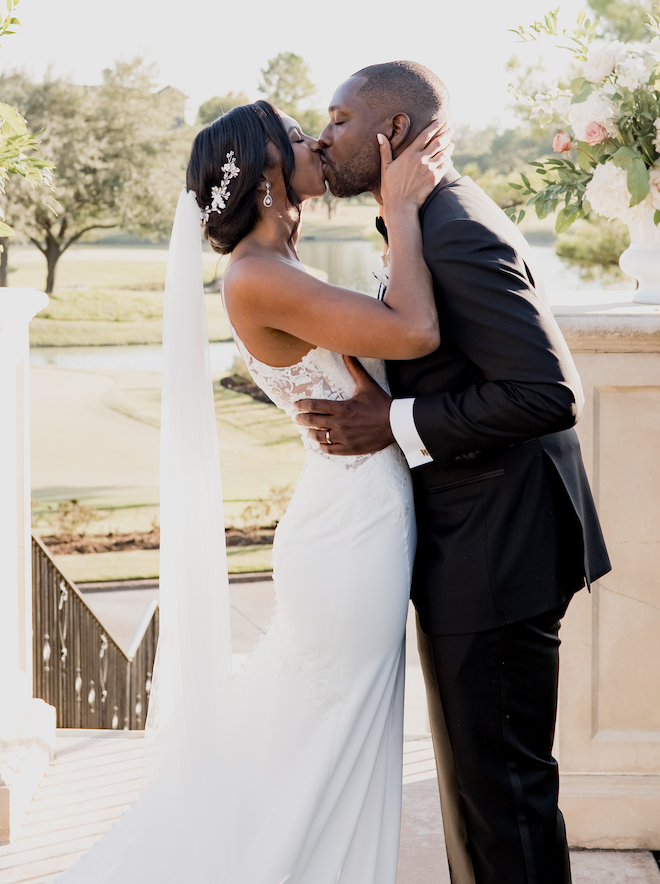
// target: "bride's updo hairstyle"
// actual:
[[246, 131]]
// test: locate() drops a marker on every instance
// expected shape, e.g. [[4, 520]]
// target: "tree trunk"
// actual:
[[4, 261], [53, 254]]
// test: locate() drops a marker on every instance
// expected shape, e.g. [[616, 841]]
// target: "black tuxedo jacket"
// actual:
[[506, 521]]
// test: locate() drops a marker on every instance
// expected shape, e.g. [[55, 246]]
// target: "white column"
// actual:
[[27, 726]]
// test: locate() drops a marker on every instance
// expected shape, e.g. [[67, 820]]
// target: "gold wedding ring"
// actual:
[[327, 437]]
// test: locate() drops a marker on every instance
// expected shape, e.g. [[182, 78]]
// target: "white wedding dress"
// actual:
[[298, 778]]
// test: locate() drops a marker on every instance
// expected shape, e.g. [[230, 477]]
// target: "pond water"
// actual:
[[134, 357], [352, 263], [348, 263]]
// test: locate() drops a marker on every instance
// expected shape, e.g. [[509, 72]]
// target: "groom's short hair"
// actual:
[[414, 88]]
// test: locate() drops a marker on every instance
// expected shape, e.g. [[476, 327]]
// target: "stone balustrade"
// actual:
[[608, 737]]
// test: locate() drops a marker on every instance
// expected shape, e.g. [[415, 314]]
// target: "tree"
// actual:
[[17, 147], [215, 107], [624, 20], [119, 151], [288, 85]]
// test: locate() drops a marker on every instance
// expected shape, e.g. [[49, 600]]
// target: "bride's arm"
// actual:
[[281, 296]]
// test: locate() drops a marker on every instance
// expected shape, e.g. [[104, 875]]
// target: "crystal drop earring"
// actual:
[[268, 200]]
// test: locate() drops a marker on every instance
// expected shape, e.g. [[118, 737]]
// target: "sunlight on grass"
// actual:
[[143, 563]]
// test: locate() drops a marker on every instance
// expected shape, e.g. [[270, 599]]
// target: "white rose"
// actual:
[[654, 181], [602, 62], [654, 47], [596, 109], [632, 73], [561, 105], [608, 194]]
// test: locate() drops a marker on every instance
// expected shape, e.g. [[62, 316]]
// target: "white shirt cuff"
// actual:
[[405, 432]]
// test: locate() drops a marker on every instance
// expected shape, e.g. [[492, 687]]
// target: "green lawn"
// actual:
[[143, 563], [106, 316], [260, 448]]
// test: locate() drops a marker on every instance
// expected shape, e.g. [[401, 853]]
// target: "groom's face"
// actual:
[[349, 147]]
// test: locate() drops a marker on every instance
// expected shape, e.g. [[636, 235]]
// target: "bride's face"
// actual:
[[308, 178]]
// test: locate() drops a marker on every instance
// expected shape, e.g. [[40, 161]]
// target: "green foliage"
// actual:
[[287, 84], [562, 182], [119, 150], [17, 145], [490, 156], [624, 20], [9, 21], [627, 139], [577, 40], [492, 149], [594, 243], [215, 107]]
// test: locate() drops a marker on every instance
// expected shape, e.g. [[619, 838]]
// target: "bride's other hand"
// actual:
[[414, 174]]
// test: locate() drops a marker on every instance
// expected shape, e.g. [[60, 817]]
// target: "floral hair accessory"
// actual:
[[221, 194]]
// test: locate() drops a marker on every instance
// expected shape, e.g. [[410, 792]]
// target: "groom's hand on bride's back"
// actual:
[[358, 425]]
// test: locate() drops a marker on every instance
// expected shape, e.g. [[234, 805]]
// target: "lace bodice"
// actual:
[[320, 374]]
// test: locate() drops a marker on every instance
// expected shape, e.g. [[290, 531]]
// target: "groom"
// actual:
[[507, 526]]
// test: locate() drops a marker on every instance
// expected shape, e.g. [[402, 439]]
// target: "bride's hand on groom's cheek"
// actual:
[[416, 171], [359, 425]]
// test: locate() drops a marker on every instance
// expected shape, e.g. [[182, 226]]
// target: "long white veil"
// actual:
[[181, 828]]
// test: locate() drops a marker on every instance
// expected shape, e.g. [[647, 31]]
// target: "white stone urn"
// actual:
[[642, 259]]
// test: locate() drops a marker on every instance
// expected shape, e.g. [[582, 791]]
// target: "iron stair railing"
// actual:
[[78, 667]]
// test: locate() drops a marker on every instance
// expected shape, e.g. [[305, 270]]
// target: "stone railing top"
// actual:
[[607, 321], [19, 305]]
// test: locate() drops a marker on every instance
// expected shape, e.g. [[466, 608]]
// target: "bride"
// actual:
[[290, 771]]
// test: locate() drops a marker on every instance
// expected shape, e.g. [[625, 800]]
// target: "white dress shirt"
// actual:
[[405, 432]]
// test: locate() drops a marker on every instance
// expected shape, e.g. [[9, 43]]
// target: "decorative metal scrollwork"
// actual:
[[63, 621], [103, 668], [78, 668], [45, 653]]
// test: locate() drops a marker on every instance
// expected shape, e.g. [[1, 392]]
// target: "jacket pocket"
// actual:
[[468, 480]]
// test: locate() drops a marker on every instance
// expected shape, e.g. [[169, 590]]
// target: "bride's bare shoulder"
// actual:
[[256, 276]]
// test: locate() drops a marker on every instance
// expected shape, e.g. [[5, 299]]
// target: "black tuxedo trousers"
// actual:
[[507, 530]]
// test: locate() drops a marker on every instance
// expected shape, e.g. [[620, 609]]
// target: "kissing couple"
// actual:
[[441, 461]]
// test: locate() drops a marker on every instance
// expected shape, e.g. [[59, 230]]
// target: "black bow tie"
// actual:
[[381, 228]]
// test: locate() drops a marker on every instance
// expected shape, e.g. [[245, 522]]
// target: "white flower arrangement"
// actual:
[[609, 143]]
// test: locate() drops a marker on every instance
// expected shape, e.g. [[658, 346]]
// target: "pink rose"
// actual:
[[561, 143], [594, 133]]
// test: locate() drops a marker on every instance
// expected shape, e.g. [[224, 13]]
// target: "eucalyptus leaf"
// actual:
[[656, 217], [585, 156], [584, 93], [13, 120], [565, 218], [638, 182]]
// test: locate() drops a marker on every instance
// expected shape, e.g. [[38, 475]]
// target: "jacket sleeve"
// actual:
[[490, 308]]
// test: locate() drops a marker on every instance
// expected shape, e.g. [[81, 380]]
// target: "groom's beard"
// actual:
[[361, 176]]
